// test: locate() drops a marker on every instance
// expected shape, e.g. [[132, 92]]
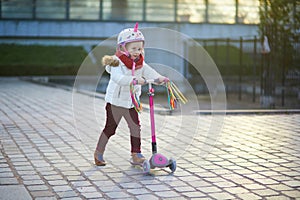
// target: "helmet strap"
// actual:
[[123, 50], [133, 68]]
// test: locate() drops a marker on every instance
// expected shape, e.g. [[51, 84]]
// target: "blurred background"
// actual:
[[254, 43]]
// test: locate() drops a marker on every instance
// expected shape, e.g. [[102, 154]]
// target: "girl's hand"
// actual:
[[163, 79], [139, 81], [142, 81]]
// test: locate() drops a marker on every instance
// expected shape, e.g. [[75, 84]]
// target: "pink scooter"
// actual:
[[157, 160]]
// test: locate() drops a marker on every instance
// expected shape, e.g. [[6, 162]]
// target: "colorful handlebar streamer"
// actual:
[[174, 95]]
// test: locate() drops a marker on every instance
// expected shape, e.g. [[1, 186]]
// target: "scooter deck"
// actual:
[[145, 165], [135, 164]]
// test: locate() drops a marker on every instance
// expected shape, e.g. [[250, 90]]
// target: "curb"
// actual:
[[169, 112], [248, 112]]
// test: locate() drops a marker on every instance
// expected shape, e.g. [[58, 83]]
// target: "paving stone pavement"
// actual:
[[48, 136]]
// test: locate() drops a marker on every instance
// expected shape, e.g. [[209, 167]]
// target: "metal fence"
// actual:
[[254, 77]]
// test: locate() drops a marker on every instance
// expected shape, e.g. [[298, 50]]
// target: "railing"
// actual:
[[249, 75]]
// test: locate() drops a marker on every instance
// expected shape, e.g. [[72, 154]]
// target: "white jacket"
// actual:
[[118, 89]]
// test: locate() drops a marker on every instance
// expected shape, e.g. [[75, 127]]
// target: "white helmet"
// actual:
[[130, 35]]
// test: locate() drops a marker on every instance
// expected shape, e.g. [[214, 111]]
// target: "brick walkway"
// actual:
[[48, 136]]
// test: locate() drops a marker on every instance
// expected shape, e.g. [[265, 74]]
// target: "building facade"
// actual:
[[102, 18]]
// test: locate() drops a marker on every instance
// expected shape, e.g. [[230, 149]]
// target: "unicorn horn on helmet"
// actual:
[[136, 27]]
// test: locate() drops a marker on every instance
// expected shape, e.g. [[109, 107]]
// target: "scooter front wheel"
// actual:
[[172, 165]]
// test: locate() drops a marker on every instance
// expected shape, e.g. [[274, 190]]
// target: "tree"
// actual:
[[280, 24]]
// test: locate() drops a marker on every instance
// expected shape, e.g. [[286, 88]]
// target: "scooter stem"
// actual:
[[151, 104]]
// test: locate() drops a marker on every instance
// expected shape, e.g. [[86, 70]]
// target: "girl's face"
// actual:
[[135, 49]]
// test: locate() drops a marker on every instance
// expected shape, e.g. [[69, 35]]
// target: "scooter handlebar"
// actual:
[[156, 81], [153, 81]]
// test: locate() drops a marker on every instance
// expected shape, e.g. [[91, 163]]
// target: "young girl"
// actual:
[[126, 67]]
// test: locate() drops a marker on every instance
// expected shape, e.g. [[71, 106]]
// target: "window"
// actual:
[[158, 10], [135, 10], [106, 9], [248, 12], [17, 9], [88, 9], [191, 11], [51, 9], [221, 11], [125, 10]]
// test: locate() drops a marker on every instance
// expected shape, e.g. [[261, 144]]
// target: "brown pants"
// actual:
[[114, 115]]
